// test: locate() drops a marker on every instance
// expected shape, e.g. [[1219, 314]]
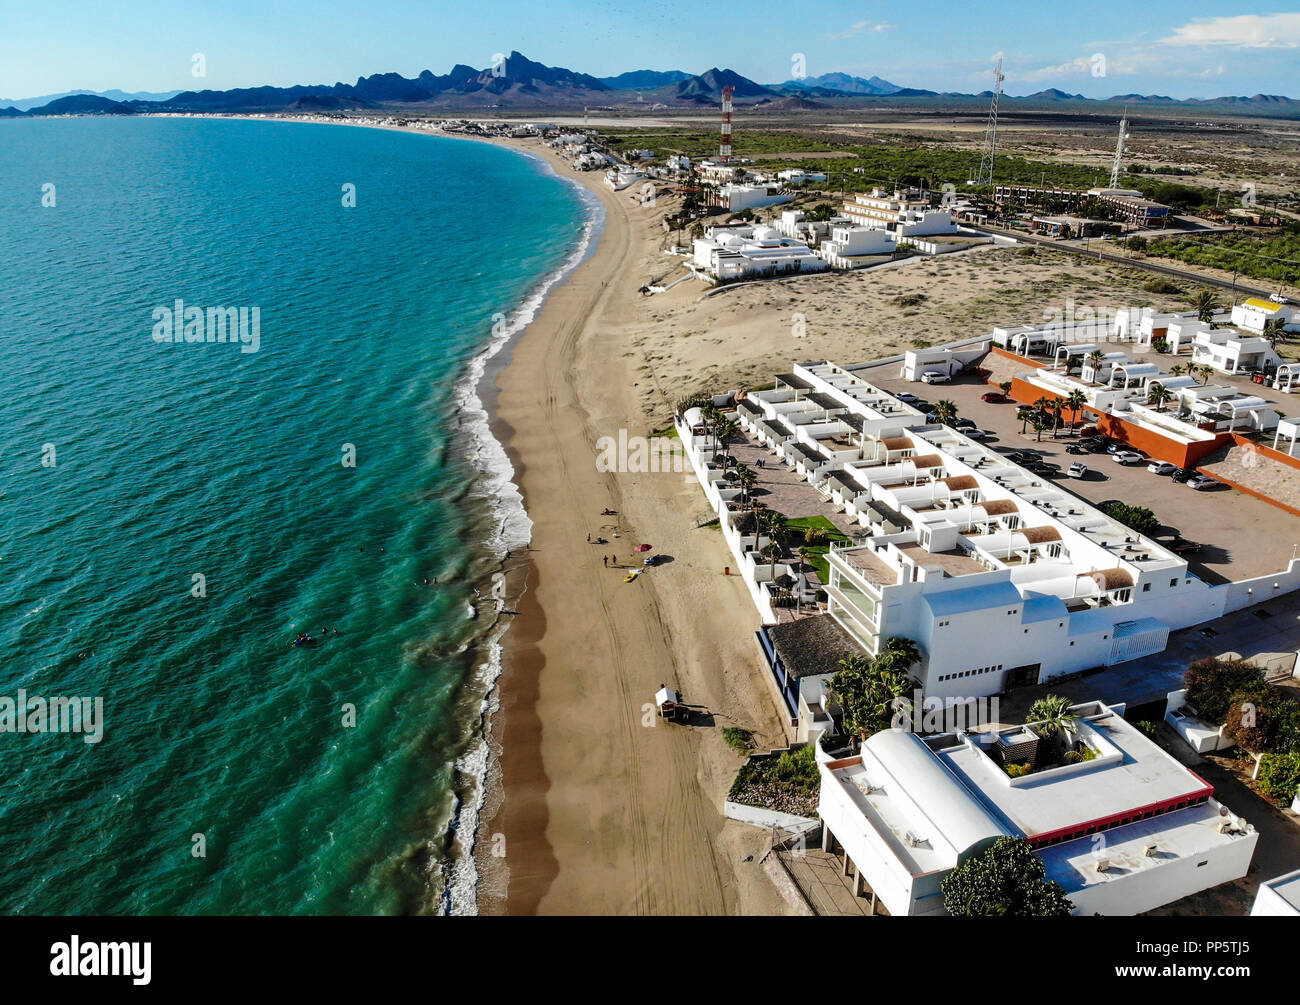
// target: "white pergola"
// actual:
[[1289, 428], [1287, 374]]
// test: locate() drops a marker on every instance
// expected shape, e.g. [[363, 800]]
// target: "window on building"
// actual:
[[1146, 587]]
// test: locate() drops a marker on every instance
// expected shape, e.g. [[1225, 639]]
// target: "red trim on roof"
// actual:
[[1103, 823]]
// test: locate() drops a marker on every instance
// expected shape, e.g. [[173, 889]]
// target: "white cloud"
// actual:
[[1248, 31], [858, 27]]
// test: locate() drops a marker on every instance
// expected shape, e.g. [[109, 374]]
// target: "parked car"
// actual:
[[1075, 448], [993, 397], [978, 434], [1162, 468], [1126, 457], [1077, 470], [934, 377], [963, 423], [907, 397], [1183, 474], [1043, 467], [1203, 482]]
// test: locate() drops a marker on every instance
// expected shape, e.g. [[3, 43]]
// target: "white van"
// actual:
[[935, 377]]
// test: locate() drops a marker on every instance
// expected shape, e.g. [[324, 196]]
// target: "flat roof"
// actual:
[[790, 380], [1287, 887], [1181, 834], [1063, 800], [873, 568], [953, 563]]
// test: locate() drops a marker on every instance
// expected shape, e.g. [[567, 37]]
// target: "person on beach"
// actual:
[[589, 539], [605, 559]]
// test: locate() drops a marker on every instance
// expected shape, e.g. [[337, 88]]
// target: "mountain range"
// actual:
[[521, 84]]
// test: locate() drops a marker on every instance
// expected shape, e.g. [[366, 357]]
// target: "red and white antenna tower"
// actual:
[[724, 148]]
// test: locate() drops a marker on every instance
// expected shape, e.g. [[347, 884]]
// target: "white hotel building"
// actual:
[[903, 214], [1125, 832], [1000, 577]]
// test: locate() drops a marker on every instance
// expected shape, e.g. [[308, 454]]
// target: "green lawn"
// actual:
[[817, 552]]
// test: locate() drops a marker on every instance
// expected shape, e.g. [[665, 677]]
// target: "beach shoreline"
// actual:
[[605, 811]]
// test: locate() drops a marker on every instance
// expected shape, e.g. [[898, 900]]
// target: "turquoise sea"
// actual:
[[130, 466]]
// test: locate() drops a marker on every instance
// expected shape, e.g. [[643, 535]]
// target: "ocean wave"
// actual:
[[513, 530]]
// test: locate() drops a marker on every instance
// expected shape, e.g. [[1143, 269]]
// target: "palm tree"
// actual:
[[1039, 425], [1177, 370], [1096, 358], [1274, 331], [1076, 400], [725, 430], [1051, 716], [747, 479], [1024, 413], [1206, 304], [1158, 395], [1055, 409], [945, 411], [1206, 371]]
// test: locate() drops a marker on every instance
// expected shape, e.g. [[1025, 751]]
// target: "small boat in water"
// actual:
[[303, 640]]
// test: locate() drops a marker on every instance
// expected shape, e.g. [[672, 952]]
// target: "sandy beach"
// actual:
[[604, 809]]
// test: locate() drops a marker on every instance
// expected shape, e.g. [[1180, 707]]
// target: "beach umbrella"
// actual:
[[643, 547]]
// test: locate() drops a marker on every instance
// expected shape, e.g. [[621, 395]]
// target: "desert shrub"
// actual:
[[1017, 770], [1279, 776], [739, 740]]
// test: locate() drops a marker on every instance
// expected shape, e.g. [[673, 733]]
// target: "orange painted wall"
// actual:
[[1162, 448]]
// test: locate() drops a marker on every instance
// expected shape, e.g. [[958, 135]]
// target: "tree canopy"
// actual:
[[1007, 880]]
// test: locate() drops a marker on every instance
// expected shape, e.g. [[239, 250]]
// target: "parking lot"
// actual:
[[1241, 536]]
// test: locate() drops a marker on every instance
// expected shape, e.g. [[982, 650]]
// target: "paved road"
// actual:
[[1137, 263]]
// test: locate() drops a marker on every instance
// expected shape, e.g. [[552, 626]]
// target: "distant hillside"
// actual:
[[524, 84], [82, 104], [644, 80], [23, 104], [843, 83]]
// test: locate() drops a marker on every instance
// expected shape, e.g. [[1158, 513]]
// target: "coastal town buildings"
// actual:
[[953, 536], [905, 213], [747, 251], [1127, 205], [1123, 827], [735, 197]]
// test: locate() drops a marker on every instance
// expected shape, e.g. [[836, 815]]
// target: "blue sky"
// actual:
[[1178, 47]]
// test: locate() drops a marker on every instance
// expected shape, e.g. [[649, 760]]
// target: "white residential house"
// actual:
[[852, 247], [1229, 351], [908, 810], [1278, 898], [1256, 312], [731, 253], [734, 198], [794, 176]]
